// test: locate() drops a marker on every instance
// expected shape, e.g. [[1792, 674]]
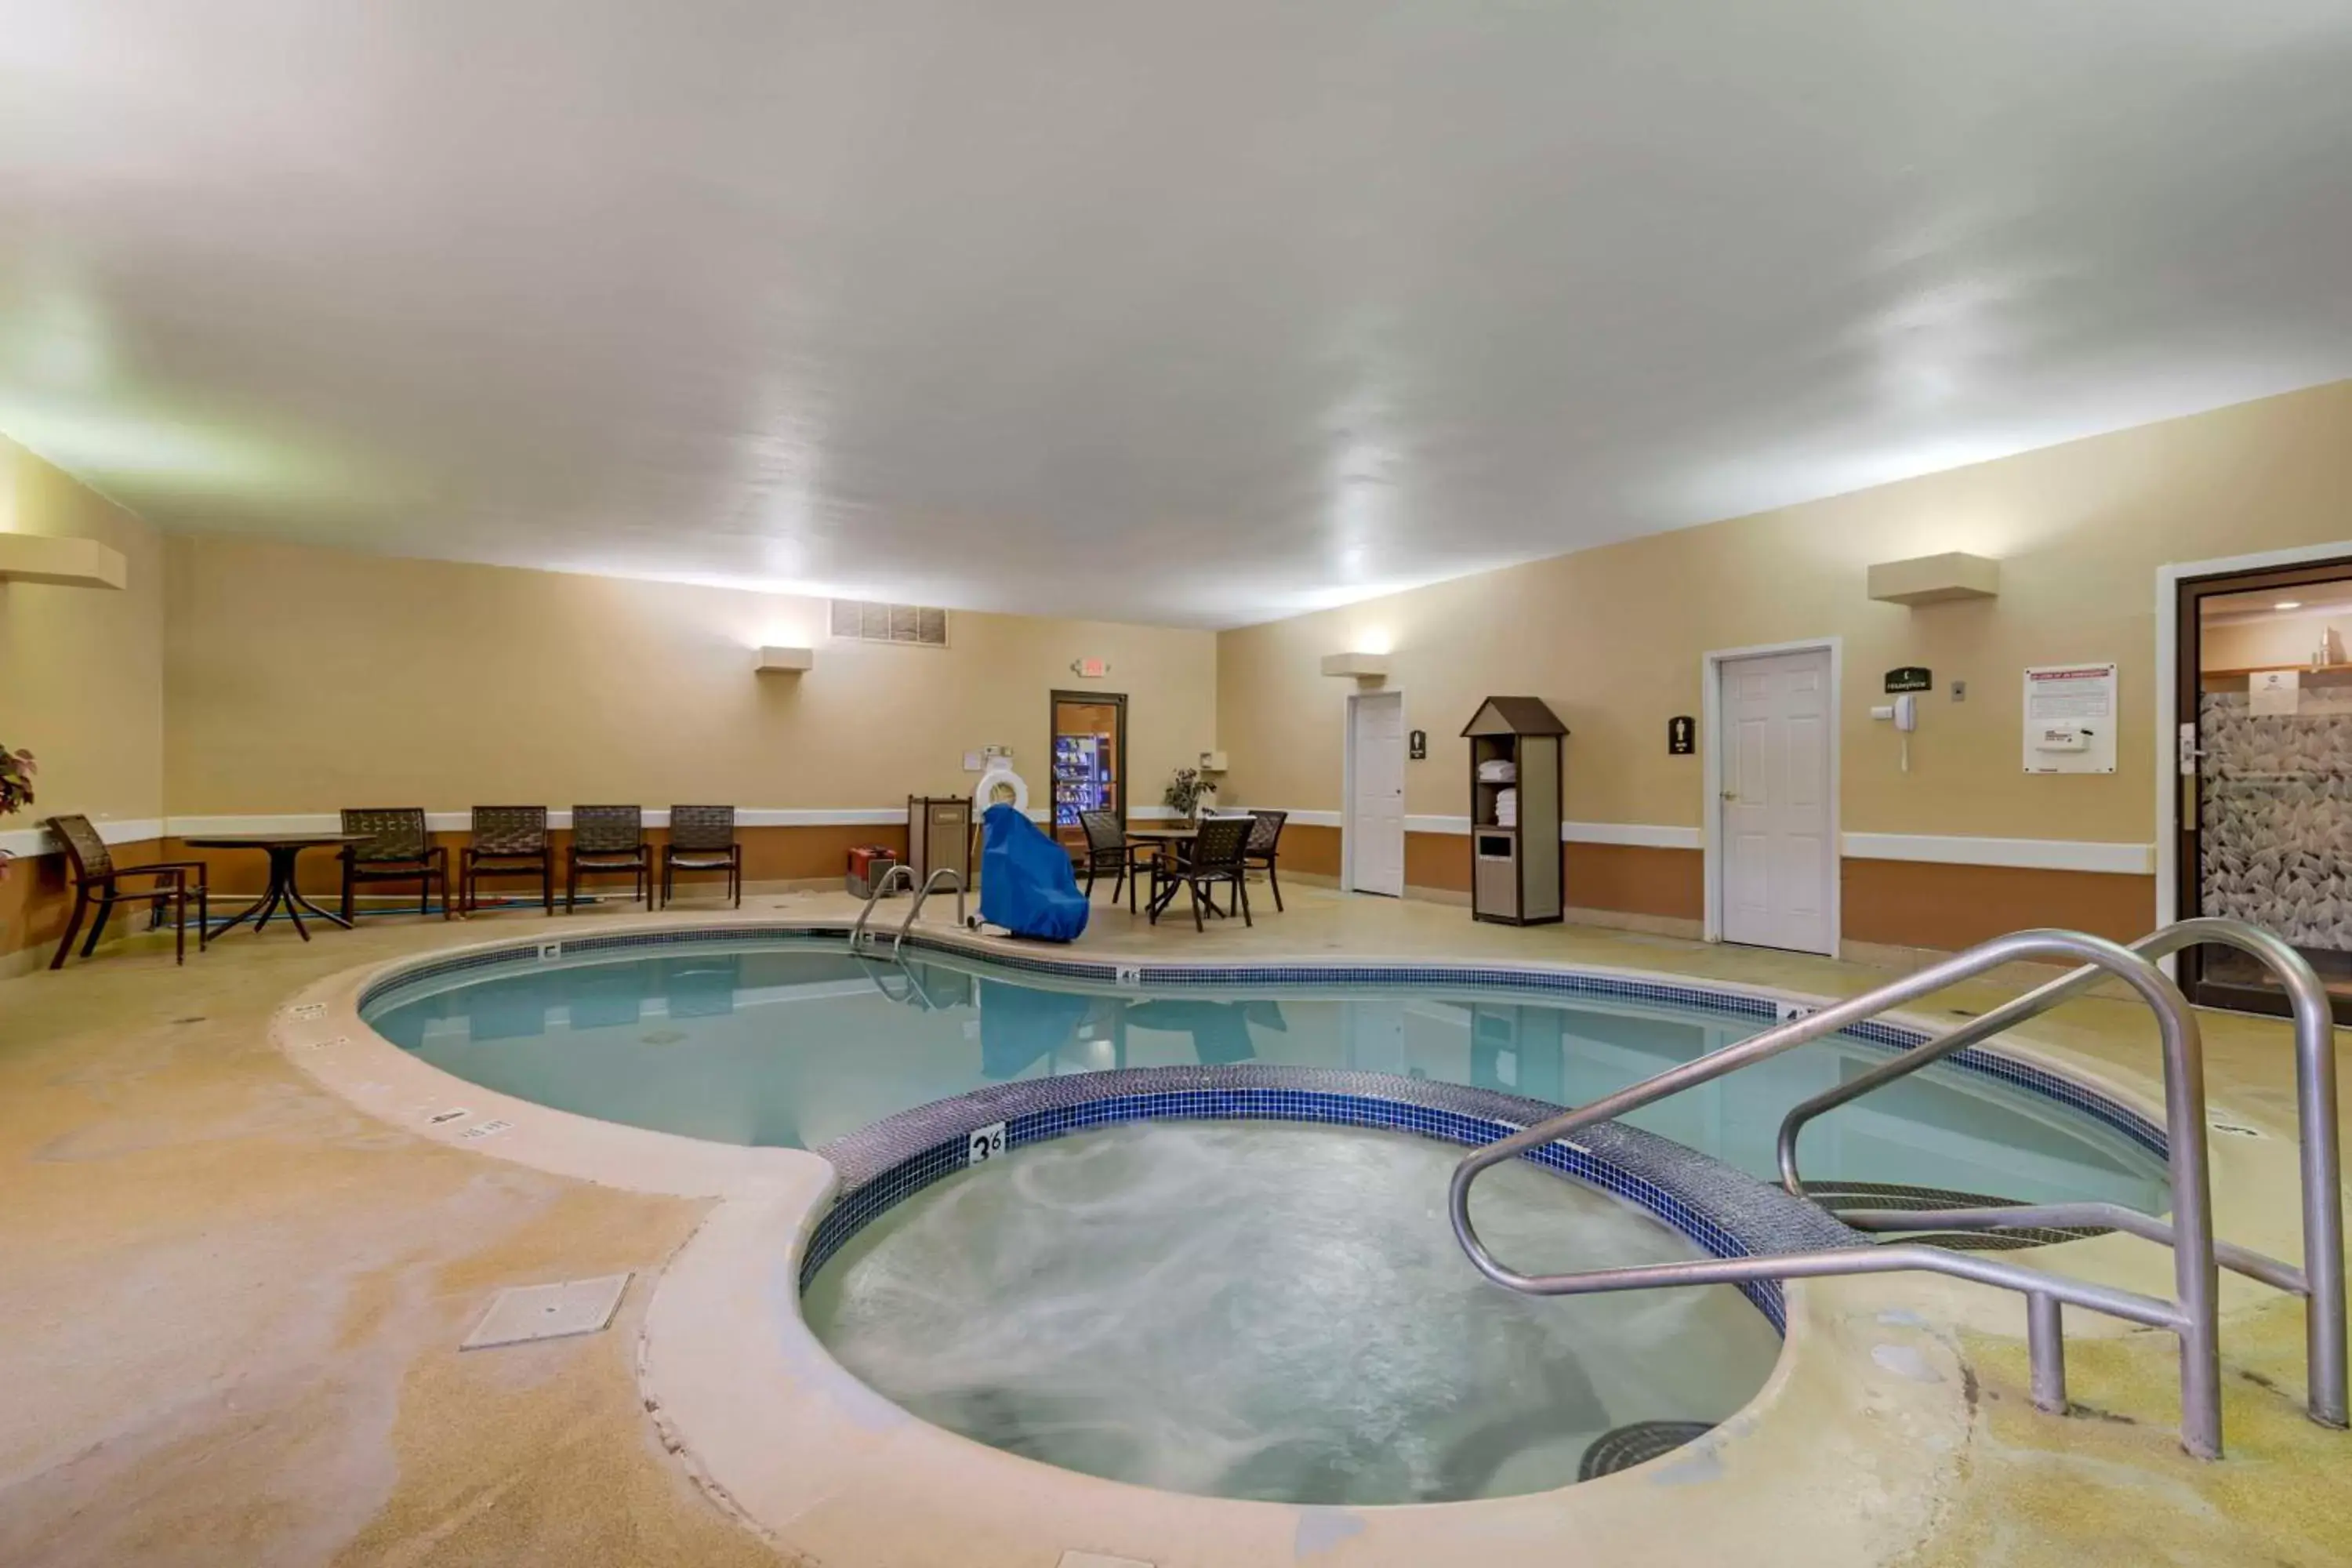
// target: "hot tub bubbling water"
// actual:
[[1276, 1311]]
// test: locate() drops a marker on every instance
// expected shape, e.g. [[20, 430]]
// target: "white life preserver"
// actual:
[[999, 777]]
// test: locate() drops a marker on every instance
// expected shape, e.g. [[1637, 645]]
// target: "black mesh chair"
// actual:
[[1109, 852], [702, 838], [1216, 857], [98, 881], [401, 851], [507, 841], [1265, 842], [605, 841]]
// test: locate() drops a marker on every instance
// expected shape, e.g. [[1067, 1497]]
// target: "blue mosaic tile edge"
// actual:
[[2130, 1123], [1722, 1211]]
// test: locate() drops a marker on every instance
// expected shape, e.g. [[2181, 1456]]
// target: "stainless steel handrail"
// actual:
[[2192, 1317], [857, 931], [2320, 1280], [956, 877]]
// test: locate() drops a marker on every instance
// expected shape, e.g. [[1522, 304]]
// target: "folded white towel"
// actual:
[[1506, 808], [1498, 770]]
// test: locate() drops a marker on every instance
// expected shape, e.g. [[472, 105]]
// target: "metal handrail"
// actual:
[[2320, 1280], [857, 931], [2192, 1317], [956, 878]]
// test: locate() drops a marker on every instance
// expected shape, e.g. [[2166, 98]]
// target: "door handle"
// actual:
[[1731, 795]]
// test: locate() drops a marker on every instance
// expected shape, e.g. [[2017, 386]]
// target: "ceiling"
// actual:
[[1201, 314]]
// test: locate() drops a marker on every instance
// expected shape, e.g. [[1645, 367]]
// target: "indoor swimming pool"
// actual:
[[796, 1042]]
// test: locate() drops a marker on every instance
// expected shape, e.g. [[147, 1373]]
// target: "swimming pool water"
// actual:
[[798, 1044], [1278, 1312]]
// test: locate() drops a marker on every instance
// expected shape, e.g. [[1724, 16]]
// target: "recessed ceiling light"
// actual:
[[2288, 605]]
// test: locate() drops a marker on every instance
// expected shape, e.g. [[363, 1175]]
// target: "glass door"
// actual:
[[1089, 760], [2265, 721]]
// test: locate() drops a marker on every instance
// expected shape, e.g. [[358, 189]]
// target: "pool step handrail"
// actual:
[[955, 879], [2319, 1281], [2192, 1317], [857, 932]]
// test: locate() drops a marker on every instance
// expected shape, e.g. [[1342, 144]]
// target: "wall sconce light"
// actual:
[[786, 660], [1935, 579], [1360, 666], [61, 563]]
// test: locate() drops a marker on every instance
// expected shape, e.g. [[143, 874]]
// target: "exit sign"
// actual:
[[1091, 668]]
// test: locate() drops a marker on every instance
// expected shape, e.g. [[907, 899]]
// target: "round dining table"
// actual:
[[283, 849]]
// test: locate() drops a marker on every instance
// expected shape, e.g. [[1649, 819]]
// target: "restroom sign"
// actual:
[[987, 1143]]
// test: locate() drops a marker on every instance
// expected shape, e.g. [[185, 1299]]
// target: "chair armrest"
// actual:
[[174, 867]]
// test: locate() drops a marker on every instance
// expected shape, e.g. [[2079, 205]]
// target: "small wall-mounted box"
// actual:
[[786, 660], [61, 562], [1935, 579], [1361, 666], [1212, 762]]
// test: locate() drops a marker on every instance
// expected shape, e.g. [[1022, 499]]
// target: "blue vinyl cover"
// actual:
[[1026, 882]]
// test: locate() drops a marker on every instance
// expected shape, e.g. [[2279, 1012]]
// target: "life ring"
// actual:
[[999, 777]]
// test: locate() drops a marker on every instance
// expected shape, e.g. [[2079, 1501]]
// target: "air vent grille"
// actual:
[[916, 625]]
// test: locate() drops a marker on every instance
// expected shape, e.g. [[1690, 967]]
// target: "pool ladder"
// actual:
[[859, 934], [2192, 1316]]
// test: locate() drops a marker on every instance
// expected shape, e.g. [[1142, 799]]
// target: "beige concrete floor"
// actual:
[[230, 1304]]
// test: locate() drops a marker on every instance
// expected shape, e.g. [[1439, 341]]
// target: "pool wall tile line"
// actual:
[[1723, 1211], [2140, 1129]]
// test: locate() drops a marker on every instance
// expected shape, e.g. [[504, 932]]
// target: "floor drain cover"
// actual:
[[1622, 1448], [528, 1312]]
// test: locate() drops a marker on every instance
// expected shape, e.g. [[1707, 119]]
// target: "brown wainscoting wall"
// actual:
[[1912, 903], [1309, 850], [1634, 879], [769, 855], [39, 894]]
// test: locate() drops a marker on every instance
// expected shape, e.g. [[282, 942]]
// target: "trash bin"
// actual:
[[868, 864]]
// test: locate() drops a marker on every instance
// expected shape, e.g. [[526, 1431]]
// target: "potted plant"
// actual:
[[1188, 793], [16, 771]]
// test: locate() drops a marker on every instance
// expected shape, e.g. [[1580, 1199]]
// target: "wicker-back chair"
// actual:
[[401, 851], [702, 838], [1110, 852], [1216, 856], [607, 840], [98, 881], [507, 841], [1264, 843]]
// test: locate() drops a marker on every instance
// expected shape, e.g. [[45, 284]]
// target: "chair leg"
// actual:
[[73, 924], [571, 886], [1241, 896], [105, 908], [348, 889], [1273, 884], [180, 925], [735, 875], [1195, 885], [204, 917]]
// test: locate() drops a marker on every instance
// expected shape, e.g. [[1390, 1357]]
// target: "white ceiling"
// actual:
[[1199, 313]]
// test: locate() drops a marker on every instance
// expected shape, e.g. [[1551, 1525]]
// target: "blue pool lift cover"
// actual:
[[1026, 882]]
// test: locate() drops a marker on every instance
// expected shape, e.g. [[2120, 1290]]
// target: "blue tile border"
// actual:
[[1724, 1212], [2148, 1134]]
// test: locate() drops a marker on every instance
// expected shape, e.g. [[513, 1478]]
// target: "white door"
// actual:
[[1375, 827], [1779, 842]]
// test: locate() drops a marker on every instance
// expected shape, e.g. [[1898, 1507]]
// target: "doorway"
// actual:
[[2262, 727], [1089, 730], [1371, 847], [1772, 871]]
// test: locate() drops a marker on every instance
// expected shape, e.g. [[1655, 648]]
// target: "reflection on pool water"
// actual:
[[1258, 1310], [798, 1044]]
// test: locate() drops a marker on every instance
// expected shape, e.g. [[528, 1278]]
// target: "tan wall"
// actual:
[[1613, 637], [81, 679], [305, 680]]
